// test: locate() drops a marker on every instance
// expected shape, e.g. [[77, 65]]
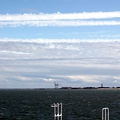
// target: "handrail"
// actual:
[[105, 114], [57, 111]]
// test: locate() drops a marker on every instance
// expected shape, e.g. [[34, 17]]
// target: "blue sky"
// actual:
[[53, 6], [15, 7], [42, 41]]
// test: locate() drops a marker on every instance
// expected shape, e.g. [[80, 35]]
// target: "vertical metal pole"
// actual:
[[58, 110], [61, 111], [102, 114], [108, 113], [105, 114], [55, 111], [54, 105]]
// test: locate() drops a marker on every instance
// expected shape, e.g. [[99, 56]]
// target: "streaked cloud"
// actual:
[[89, 78], [13, 52], [60, 19], [60, 16], [39, 40], [58, 23], [68, 62]]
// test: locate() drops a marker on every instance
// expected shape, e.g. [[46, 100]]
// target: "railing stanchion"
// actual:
[[57, 111], [105, 114]]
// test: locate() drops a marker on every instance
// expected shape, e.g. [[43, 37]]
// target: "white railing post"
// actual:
[[57, 111], [105, 114], [61, 111]]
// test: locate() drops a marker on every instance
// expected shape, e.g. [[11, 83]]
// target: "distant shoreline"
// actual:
[[65, 88]]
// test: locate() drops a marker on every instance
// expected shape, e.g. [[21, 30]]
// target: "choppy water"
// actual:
[[77, 104]]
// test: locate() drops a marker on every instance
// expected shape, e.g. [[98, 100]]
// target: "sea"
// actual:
[[78, 104]]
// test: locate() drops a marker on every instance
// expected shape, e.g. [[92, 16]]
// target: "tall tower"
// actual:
[[56, 85], [101, 85]]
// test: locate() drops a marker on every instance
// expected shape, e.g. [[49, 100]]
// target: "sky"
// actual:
[[75, 43]]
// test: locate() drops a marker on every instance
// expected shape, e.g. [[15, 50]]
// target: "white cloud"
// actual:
[[59, 48], [13, 52], [58, 23], [83, 62], [117, 78], [3, 40], [60, 16], [60, 19], [89, 78], [49, 79]]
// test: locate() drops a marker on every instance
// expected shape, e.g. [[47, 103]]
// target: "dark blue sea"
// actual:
[[34, 104]]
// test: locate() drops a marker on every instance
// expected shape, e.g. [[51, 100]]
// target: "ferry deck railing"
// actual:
[[105, 114], [58, 112]]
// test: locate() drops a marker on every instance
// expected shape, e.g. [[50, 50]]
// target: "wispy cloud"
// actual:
[[60, 16], [58, 23], [39, 40], [13, 52], [89, 78], [60, 19], [69, 62]]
